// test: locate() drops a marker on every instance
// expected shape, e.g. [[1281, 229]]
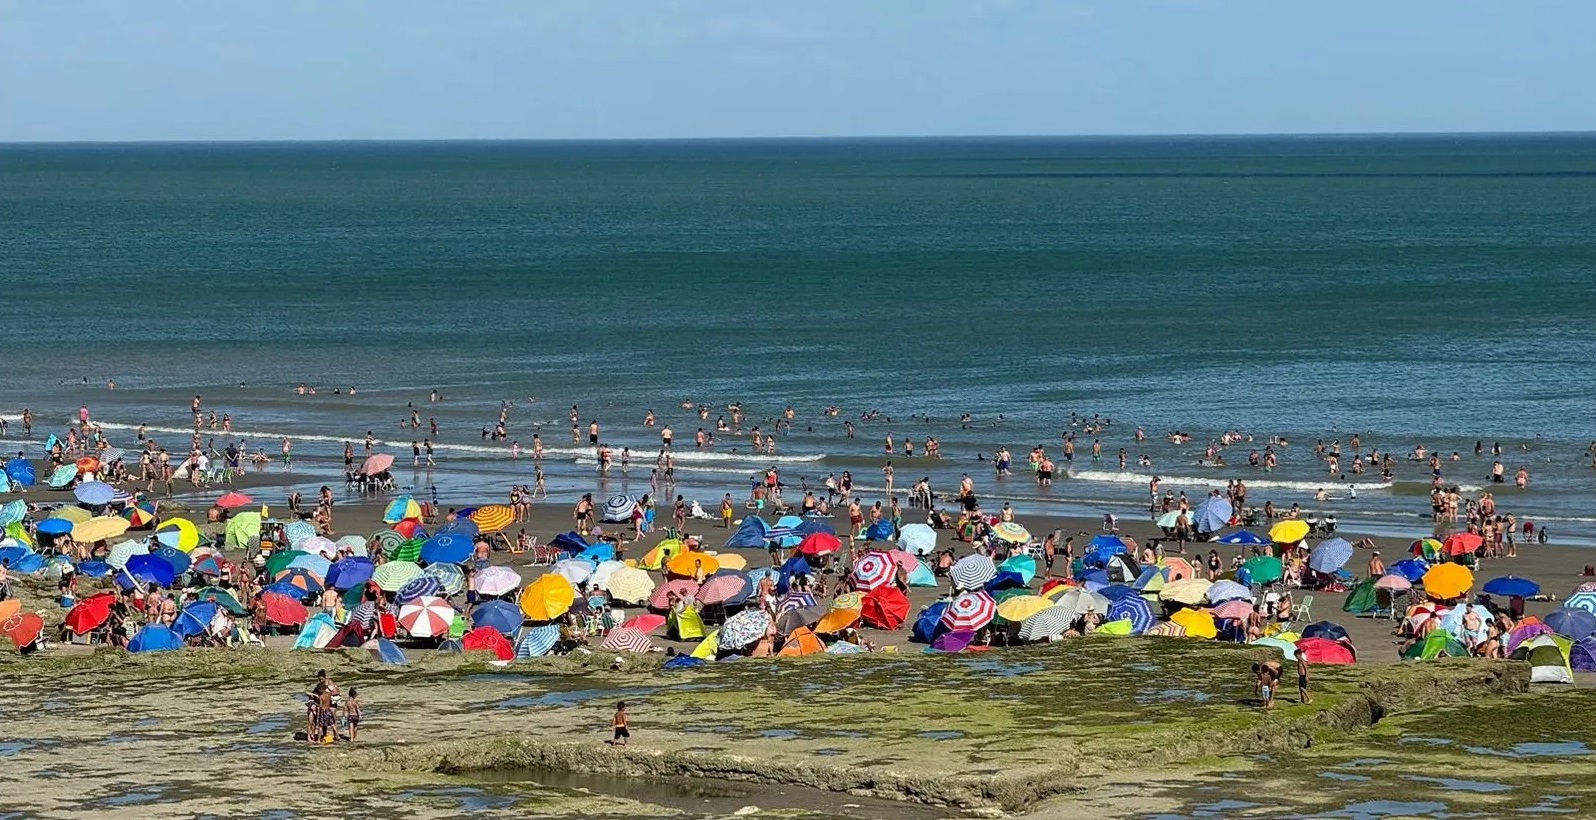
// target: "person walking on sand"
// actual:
[[1303, 695], [620, 724], [352, 713], [1267, 678]]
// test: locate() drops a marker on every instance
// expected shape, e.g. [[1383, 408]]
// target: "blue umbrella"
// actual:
[[1243, 538], [302, 580], [95, 493], [175, 558], [146, 567], [11, 555], [569, 542], [155, 638], [29, 564], [420, 586], [94, 569], [1512, 586], [537, 642], [389, 652], [929, 624], [1412, 569], [683, 662], [598, 553], [461, 526], [1574, 624], [1114, 592], [312, 563], [501, 615], [880, 531], [1325, 629], [1096, 576], [750, 534], [195, 619], [1330, 555], [55, 526], [209, 565], [1135, 609], [1213, 514], [1006, 580], [446, 549], [349, 573], [810, 526], [21, 471], [794, 566]]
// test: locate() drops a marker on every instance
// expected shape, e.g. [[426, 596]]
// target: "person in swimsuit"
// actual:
[[620, 724]]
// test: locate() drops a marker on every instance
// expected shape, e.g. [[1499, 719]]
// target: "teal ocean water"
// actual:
[[1434, 290]]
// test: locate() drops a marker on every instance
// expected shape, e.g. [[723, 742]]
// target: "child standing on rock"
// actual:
[[623, 733]]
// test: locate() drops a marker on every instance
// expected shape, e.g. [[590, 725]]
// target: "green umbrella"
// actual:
[[242, 529], [1264, 569], [222, 598], [407, 551], [280, 560]]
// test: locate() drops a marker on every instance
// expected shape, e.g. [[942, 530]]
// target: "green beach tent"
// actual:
[[1437, 645], [1362, 600], [1548, 658]]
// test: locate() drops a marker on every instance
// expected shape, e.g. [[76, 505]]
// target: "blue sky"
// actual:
[[409, 69]]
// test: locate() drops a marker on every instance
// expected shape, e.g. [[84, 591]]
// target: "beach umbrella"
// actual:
[[13, 512], [1264, 569], [150, 570], [450, 578], [1330, 555], [744, 628], [537, 641], [1134, 609], [795, 600], [1188, 591], [1245, 538], [401, 508], [647, 622], [1078, 602], [1325, 629], [1233, 610], [956, 640], [1428, 548], [353, 543], [1213, 514], [1582, 600], [575, 570], [689, 564], [618, 509], [209, 566], [14, 555], [99, 529], [626, 640], [1512, 586], [311, 562], [917, 539], [94, 493], [195, 620], [118, 557], [76, 515], [177, 559], [725, 589], [283, 609], [281, 559], [1022, 565], [1049, 622], [460, 528], [302, 581], [385, 540], [408, 551], [1412, 569], [391, 576], [493, 517], [427, 617], [727, 560], [319, 545], [243, 529], [411, 529], [111, 455], [179, 533], [1462, 543], [20, 470], [837, 619], [1287, 648], [971, 610], [1393, 583], [1196, 622], [1576, 624], [234, 500], [972, 572], [446, 548], [1222, 591], [349, 573], [63, 476], [222, 598], [789, 620], [376, 463], [496, 581], [1325, 651], [1446, 581], [155, 638], [547, 598], [819, 543], [421, 586], [1170, 520], [1011, 533], [501, 615], [90, 613], [487, 639], [1289, 531], [54, 526], [139, 517], [872, 571], [885, 608], [660, 598], [1018, 608], [634, 586], [297, 533]]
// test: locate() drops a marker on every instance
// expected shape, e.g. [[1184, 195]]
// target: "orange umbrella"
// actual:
[[688, 564], [837, 620], [1462, 543], [547, 598], [493, 517], [1447, 581]]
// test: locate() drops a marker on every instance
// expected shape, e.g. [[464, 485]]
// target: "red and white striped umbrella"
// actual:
[[873, 571], [627, 639], [427, 617], [972, 610], [661, 599]]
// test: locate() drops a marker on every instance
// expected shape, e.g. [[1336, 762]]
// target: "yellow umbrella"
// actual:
[[1198, 623], [1120, 627], [688, 564], [1289, 531], [1442, 581], [76, 515], [731, 560], [1189, 591], [836, 620], [1020, 607], [178, 532], [99, 529], [848, 600], [547, 598], [493, 517], [708, 647], [630, 585], [243, 528]]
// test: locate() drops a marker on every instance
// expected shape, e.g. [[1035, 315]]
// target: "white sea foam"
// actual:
[[1143, 479]]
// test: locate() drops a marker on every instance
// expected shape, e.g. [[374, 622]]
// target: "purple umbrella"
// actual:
[[956, 641]]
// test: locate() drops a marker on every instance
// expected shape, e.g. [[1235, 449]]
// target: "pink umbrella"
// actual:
[[1393, 583], [376, 463], [904, 561], [681, 586], [722, 588], [231, 500], [627, 639], [645, 623], [873, 571], [1233, 610], [972, 610]]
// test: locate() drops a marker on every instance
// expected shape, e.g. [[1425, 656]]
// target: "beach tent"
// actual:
[[685, 625], [708, 648], [1548, 657], [1150, 580], [1582, 655], [750, 534], [1363, 599], [1437, 644], [662, 553], [318, 631], [1121, 569], [155, 638], [1326, 651], [802, 641], [387, 651], [922, 576]]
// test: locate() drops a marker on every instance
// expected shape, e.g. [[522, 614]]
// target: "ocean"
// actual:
[[1431, 290]]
